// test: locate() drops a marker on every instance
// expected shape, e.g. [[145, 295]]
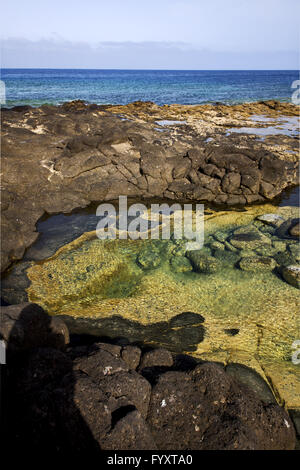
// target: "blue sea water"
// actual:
[[38, 86]]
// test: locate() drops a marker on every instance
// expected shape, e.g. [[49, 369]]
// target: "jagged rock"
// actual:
[[74, 155], [86, 400]]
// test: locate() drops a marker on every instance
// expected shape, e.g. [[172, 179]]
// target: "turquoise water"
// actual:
[[37, 86]]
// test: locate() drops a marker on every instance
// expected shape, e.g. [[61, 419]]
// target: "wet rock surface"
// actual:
[[62, 401], [56, 159], [291, 274]]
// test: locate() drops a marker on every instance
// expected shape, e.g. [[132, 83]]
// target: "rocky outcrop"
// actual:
[[97, 395], [56, 159]]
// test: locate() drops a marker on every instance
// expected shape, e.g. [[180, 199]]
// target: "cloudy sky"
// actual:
[[176, 34]]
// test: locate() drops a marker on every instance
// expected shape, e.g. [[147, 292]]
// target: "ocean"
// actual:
[[54, 86]]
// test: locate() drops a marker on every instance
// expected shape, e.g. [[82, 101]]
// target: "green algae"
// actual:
[[94, 280]]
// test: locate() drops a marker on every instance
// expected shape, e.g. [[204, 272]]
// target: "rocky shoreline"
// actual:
[[123, 387], [58, 158], [88, 395]]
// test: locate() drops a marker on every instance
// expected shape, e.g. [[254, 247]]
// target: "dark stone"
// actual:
[[206, 409], [100, 364], [160, 334], [81, 147], [283, 230], [126, 388], [86, 399], [156, 357], [131, 355], [252, 380], [130, 433], [26, 326], [232, 331], [186, 319]]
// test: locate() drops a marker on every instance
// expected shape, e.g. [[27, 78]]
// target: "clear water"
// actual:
[[37, 86], [285, 126]]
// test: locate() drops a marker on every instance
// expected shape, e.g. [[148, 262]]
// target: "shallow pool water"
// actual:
[[138, 288], [285, 125], [166, 122]]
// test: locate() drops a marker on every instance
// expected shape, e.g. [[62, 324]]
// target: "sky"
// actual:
[[176, 34]]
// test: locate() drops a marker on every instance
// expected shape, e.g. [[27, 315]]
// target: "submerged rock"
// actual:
[[250, 239], [266, 250], [271, 219], [203, 263], [291, 275], [180, 264], [280, 246], [284, 258], [217, 246], [284, 230], [227, 257], [220, 236], [295, 251], [149, 259], [294, 231], [257, 263]]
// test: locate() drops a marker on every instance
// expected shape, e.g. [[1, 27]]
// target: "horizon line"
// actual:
[[152, 69]]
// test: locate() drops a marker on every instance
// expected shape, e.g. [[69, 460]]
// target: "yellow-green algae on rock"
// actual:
[[100, 279]]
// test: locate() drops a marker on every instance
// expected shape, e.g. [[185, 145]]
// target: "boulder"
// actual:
[[207, 409]]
